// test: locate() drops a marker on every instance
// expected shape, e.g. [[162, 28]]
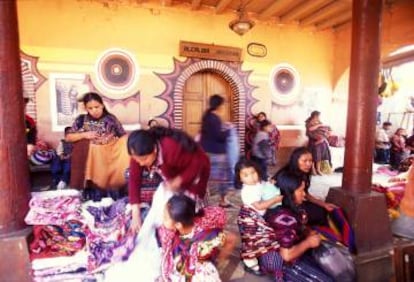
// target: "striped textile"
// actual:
[[257, 237], [338, 230]]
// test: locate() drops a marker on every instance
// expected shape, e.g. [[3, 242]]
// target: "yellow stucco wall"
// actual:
[[68, 36]]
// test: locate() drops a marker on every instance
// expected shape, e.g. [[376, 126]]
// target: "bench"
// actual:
[[40, 176]]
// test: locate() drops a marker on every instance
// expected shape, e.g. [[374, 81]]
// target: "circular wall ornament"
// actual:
[[117, 73], [257, 50], [285, 84]]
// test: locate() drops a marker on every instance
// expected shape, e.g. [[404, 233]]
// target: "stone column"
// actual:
[[366, 210], [14, 171]]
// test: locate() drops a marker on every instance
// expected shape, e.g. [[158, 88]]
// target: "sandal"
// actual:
[[253, 271], [227, 205]]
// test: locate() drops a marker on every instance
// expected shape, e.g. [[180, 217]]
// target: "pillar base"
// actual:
[[14, 251], [368, 216]]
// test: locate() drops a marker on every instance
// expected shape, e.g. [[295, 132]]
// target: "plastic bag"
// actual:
[[335, 260]]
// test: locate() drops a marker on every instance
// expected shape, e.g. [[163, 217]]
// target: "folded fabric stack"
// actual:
[[59, 235], [110, 239], [74, 240]]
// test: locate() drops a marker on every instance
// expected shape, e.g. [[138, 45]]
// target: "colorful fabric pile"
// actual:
[[110, 239], [75, 240]]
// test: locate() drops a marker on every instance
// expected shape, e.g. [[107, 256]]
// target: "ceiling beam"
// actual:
[[334, 20], [302, 9], [195, 4], [323, 13], [276, 7], [398, 59], [166, 3], [222, 5]]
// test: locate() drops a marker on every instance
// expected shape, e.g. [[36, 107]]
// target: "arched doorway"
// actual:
[[196, 93]]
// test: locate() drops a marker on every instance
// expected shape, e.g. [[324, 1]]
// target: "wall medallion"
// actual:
[[284, 84]]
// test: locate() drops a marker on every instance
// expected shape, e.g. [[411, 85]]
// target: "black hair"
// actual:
[[67, 129], [386, 123], [143, 141], [152, 121], [293, 166], [241, 164], [288, 183], [264, 123], [260, 113], [182, 209], [214, 102], [312, 115], [92, 96]]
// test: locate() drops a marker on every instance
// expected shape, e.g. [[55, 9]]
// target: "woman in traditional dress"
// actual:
[[321, 214], [192, 242], [293, 235], [318, 143], [106, 157], [214, 135]]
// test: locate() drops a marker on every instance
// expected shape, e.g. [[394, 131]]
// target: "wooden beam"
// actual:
[[398, 59], [334, 20], [195, 4], [166, 3], [323, 13], [276, 7], [303, 9], [222, 5]]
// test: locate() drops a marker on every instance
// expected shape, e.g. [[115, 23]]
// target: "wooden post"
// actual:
[[14, 171], [366, 210]]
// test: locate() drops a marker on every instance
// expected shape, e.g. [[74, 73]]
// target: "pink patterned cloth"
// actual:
[[54, 207], [213, 218]]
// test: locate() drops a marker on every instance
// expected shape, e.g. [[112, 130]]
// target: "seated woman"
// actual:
[[321, 215], [106, 158], [295, 238], [191, 242], [399, 149]]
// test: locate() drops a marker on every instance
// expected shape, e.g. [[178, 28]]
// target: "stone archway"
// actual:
[[231, 72]]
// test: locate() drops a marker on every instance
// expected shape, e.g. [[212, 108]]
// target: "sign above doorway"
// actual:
[[210, 51]]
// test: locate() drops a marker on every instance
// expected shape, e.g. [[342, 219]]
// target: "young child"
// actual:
[[60, 166], [256, 194], [263, 150], [191, 242]]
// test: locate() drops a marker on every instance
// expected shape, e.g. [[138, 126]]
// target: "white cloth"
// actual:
[[251, 194], [382, 141], [261, 191], [144, 264]]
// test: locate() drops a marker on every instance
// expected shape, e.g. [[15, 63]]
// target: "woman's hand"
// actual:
[[136, 219], [330, 207], [313, 240], [174, 184], [90, 135]]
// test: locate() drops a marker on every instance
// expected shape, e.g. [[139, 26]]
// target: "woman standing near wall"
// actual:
[[318, 142], [104, 164], [214, 141]]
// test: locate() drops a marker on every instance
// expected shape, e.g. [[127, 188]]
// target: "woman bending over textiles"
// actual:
[[191, 242], [107, 157], [320, 214], [257, 196], [176, 157]]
